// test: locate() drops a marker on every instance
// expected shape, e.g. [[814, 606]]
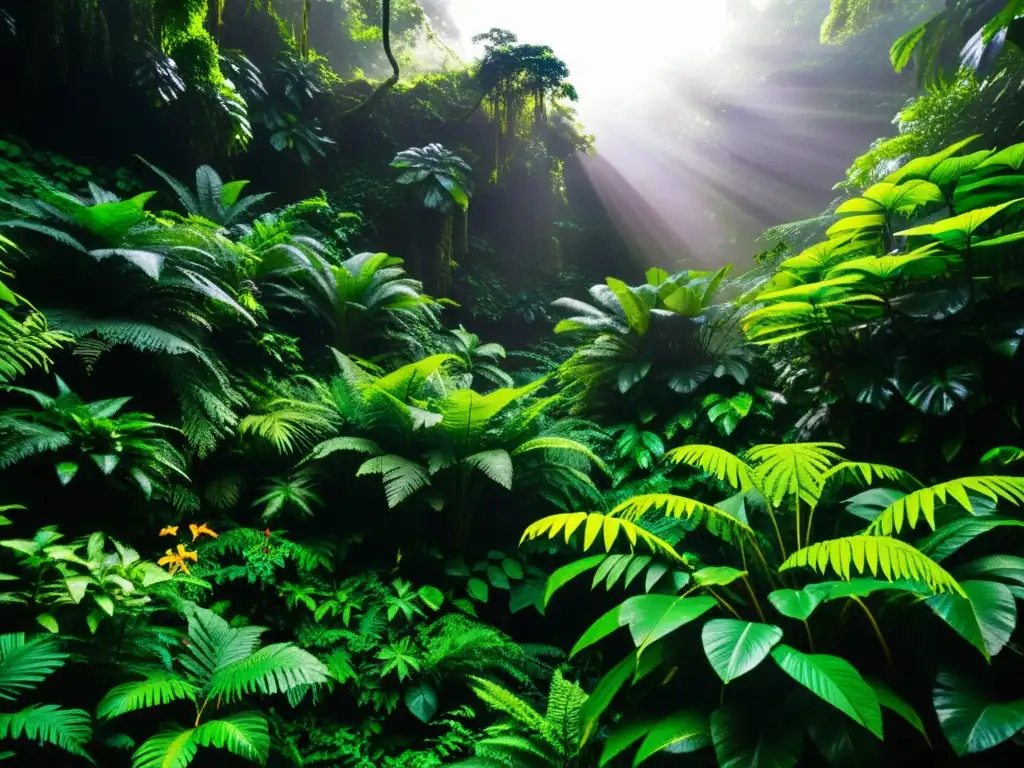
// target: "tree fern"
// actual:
[[335, 444], [597, 524], [855, 554], [922, 502], [717, 521]]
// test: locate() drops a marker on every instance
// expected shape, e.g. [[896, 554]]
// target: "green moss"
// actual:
[[183, 37]]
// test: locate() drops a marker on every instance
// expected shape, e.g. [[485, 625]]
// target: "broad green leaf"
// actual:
[[622, 737], [795, 603], [681, 733], [1005, 567], [477, 589], [512, 568], [66, 471], [957, 533], [638, 316], [651, 617], [567, 573], [431, 596], [48, 622], [497, 577], [985, 618], [654, 574], [890, 700], [421, 699], [970, 721], [744, 742], [735, 647], [834, 680], [717, 576], [600, 629]]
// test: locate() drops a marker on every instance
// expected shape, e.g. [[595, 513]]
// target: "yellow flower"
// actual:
[[199, 530], [170, 530], [184, 555], [174, 562]]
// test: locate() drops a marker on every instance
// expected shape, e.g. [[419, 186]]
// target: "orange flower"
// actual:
[[170, 530], [173, 562], [199, 530]]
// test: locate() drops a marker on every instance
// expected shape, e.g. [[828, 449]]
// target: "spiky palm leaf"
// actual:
[[863, 471], [272, 669], [717, 521], [895, 559], [158, 688], [597, 524], [26, 663], [922, 502], [69, 729], [716, 461]]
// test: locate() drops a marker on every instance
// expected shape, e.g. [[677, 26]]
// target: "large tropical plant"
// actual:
[[442, 182], [766, 532], [221, 666], [25, 662]]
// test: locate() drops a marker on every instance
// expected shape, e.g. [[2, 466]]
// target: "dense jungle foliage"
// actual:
[[340, 450]]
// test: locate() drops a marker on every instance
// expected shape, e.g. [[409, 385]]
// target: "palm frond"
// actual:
[[922, 502], [894, 558], [863, 471], [26, 663], [173, 747], [157, 689], [717, 521], [795, 470], [716, 461], [275, 668], [597, 524], [244, 734], [69, 729]]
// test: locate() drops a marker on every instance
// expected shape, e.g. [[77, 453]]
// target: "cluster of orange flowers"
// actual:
[[175, 560]]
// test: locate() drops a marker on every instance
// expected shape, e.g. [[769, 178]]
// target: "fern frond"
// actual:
[[215, 644], [157, 689], [26, 663], [565, 724], [26, 345], [497, 697], [561, 444], [857, 471], [795, 470], [244, 734], [335, 444], [69, 729], [597, 524], [401, 477], [496, 464], [275, 668], [717, 521], [921, 503], [289, 423], [894, 558], [719, 462]]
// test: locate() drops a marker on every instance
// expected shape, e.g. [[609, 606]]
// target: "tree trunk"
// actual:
[[464, 232], [443, 258], [382, 89]]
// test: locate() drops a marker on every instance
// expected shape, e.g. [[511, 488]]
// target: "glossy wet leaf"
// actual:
[[970, 720], [985, 618], [734, 647]]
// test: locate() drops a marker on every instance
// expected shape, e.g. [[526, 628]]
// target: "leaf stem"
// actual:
[[778, 533], [753, 597], [796, 503], [876, 628], [810, 637], [724, 602]]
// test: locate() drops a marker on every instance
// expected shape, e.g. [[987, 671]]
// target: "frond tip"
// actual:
[[595, 523], [896, 560]]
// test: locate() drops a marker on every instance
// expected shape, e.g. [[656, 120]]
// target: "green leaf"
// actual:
[[172, 748], [497, 577], [903, 49], [421, 700], [985, 618], [743, 742], [637, 314], [49, 623], [622, 738], [890, 700], [970, 722], [795, 603], [244, 734], [957, 533], [512, 568], [651, 617], [717, 576], [1005, 567], [66, 471], [431, 596], [477, 589], [735, 647], [600, 629], [157, 689], [682, 732], [834, 680]]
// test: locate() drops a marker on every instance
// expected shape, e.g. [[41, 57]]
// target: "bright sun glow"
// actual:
[[612, 59]]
